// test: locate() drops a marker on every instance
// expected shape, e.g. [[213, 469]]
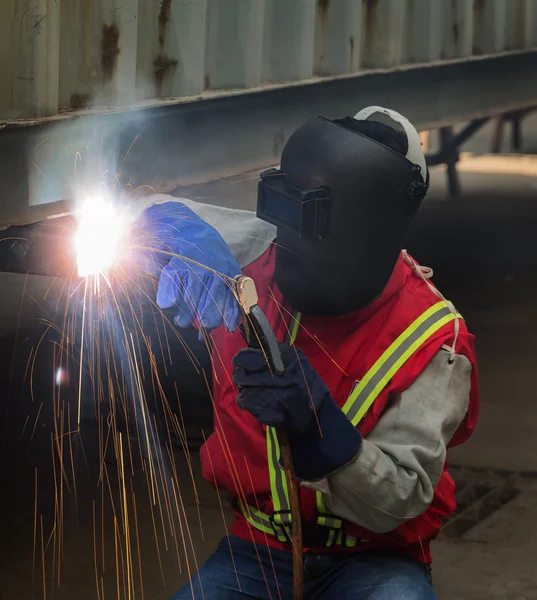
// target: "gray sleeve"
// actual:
[[393, 476], [246, 235]]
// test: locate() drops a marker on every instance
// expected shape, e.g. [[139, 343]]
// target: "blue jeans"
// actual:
[[239, 569]]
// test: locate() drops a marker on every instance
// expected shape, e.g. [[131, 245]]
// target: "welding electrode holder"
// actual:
[[255, 328], [258, 334]]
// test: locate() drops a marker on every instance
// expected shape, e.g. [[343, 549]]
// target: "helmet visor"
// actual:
[[306, 212]]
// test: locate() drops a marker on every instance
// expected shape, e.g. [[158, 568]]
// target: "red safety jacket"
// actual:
[[408, 323]]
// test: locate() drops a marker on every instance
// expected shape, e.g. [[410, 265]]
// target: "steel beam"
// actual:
[[203, 140]]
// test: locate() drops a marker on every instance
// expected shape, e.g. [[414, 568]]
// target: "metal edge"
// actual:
[[212, 95]]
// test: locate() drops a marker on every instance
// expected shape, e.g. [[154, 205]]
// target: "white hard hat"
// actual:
[[414, 154]]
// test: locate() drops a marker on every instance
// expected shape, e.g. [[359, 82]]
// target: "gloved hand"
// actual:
[[287, 401], [200, 295], [299, 403]]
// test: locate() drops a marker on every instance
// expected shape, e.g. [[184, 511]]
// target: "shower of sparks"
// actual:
[[109, 400], [111, 368]]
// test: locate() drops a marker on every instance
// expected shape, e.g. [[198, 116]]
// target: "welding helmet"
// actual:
[[343, 201]]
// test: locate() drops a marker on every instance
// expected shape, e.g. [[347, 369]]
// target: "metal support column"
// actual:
[[449, 151], [515, 118], [451, 158]]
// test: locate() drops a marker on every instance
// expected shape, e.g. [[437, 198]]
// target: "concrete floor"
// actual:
[[484, 251]]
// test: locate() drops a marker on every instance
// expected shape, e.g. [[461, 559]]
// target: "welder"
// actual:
[[380, 374]]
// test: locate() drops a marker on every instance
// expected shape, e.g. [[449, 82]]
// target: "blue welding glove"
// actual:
[[298, 402], [200, 296]]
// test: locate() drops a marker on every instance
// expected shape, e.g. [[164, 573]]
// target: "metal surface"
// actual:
[[457, 19], [268, 337], [68, 56], [338, 37], [422, 42], [489, 26], [190, 143], [246, 293], [519, 24], [179, 92], [384, 30]]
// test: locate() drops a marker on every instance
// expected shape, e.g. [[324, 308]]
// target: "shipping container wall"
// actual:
[[70, 55]]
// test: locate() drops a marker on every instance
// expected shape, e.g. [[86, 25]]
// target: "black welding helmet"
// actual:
[[343, 200]]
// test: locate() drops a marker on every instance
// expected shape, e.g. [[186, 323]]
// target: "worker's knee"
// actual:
[[203, 586], [407, 579], [378, 576], [238, 570], [404, 587], [213, 580]]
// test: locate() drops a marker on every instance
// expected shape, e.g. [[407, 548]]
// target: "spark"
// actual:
[[101, 228], [60, 376], [82, 355], [35, 526], [43, 568]]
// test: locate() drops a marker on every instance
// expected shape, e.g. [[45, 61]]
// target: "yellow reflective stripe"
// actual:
[[376, 379], [408, 331], [320, 502], [321, 508], [348, 541], [272, 466], [331, 521], [278, 486], [256, 518], [280, 534], [401, 360], [331, 538], [278, 483], [293, 327], [262, 522]]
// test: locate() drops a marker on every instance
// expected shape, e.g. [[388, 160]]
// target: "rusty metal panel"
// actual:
[[81, 56], [534, 24], [383, 36], [98, 45], [194, 142], [458, 28], [519, 24], [489, 26], [288, 40], [338, 37], [234, 44], [171, 48], [118, 48], [75, 55], [29, 51], [422, 42]]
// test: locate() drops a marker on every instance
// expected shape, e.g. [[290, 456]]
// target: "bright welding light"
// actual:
[[98, 238]]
